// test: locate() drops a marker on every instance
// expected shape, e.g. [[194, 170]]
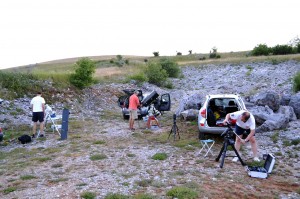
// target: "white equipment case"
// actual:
[[262, 172]]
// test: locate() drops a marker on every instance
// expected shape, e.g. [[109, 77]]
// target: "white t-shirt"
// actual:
[[249, 124], [37, 104]]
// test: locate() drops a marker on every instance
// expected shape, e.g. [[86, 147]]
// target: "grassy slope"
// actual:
[[107, 71]]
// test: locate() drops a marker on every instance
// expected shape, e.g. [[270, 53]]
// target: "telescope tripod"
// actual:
[[228, 141]]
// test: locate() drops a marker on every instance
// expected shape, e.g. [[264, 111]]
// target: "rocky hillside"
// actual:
[[103, 157]]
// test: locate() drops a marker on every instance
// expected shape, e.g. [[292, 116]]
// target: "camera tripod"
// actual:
[[228, 141], [174, 129]]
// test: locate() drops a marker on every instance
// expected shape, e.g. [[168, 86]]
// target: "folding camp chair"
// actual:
[[206, 146], [52, 117]]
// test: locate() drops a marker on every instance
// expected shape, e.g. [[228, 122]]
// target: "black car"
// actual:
[[161, 103]]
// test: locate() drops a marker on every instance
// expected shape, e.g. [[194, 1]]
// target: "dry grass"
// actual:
[[239, 58]]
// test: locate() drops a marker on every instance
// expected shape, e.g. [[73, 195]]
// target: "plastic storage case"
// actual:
[[262, 172]]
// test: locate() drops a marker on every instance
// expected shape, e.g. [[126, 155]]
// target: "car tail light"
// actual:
[[201, 124], [203, 113]]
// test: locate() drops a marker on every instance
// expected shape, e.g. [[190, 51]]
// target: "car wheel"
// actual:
[[125, 117], [201, 135]]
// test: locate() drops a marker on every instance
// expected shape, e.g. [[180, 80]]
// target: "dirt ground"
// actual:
[[103, 157]]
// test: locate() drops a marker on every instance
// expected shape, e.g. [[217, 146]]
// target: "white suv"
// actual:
[[213, 112]]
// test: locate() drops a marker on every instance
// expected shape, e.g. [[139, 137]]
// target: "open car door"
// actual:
[[165, 102]]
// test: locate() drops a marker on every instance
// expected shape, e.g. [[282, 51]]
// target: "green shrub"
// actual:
[[179, 53], [261, 49], [168, 84], [296, 82], [9, 190], [156, 74], [282, 50], [99, 142], [19, 84], [116, 196], [139, 77], [83, 76], [182, 193], [170, 66], [160, 156], [156, 54], [295, 142], [98, 157], [27, 177], [88, 195]]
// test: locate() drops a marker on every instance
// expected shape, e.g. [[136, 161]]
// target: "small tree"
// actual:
[[156, 54], [178, 53], [261, 49], [213, 53], [170, 67], [156, 74], [190, 52], [282, 50], [84, 70]]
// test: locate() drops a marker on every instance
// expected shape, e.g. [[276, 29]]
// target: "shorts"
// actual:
[[133, 114], [38, 116], [240, 131]]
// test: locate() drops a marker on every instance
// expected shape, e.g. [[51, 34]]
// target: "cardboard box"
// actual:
[[262, 172]]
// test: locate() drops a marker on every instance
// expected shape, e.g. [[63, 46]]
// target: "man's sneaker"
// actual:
[[33, 136], [256, 159], [235, 159], [41, 136]]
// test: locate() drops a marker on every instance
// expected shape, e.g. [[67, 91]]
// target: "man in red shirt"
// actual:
[[134, 103]]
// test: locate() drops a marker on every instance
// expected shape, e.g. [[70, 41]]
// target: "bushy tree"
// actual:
[[261, 49], [282, 50], [84, 70], [298, 48], [170, 66], [213, 53], [156, 74], [156, 54]]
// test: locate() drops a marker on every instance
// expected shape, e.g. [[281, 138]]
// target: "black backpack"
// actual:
[[24, 139]]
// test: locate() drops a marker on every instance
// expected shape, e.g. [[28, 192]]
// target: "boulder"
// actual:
[[191, 102], [288, 112], [269, 98], [267, 120], [295, 103], [285, 99], [189, 115]]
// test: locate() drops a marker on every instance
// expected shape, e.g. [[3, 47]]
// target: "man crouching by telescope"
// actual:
[[245, 122]]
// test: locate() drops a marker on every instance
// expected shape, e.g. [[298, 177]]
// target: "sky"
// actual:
[[34, 31]]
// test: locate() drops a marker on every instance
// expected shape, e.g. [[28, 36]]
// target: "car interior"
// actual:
[[218, 108]]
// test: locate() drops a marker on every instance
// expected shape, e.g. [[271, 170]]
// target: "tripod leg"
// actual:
[[223, 155], [178, 132], [174, 132], [237, 154], [170, 133], [218, 158]]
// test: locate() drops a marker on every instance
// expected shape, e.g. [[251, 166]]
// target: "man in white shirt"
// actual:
[[245, 122], [38, 112]]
